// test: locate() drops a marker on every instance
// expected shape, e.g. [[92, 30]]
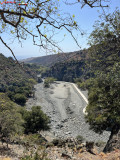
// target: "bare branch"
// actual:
[[90, 3]]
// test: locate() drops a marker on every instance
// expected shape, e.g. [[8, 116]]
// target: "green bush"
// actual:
[[100, 144], [85, 84], [48, 81], [80, 139], [36, 156], [46, 84], [20, 99], [35, 120]]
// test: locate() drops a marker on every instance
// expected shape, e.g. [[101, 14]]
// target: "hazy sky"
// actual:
[[85, 17]]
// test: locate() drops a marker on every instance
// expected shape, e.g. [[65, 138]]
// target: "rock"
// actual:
[[68, 133], [49, 145], [71, 112], [65, 155], [89, 147], [59, 142], [78, 147], [51, 92], [95, 151], [71, 145], [65, 120], [59, 126]]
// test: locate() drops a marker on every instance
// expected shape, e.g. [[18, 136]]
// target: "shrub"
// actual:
[[100, 144], [46, 84], [36, 156], [80, 139], [20, 99], [48, 80], [35, 120]]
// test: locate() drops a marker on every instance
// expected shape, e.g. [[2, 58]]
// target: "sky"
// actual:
[[85, 18]]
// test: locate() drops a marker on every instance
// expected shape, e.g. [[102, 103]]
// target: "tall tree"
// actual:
[[104, 96]]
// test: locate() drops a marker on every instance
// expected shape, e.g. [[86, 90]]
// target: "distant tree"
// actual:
[[46, 84], [48, 81], [104, 95]]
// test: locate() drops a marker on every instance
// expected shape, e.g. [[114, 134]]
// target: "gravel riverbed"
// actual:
[[64, 105]]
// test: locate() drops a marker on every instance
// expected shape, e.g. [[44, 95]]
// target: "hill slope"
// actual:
[[55, 58], [15, 80]]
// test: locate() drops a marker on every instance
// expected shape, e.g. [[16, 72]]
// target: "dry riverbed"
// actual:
[[64, 105]]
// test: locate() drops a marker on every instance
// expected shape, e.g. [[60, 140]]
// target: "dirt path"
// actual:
[[64, 105]]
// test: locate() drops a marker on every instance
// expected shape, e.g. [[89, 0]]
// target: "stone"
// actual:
[[65, 155]]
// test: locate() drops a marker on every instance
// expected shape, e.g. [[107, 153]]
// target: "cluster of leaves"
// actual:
[[104, 107], [35, 120], [46, 18], [48, 81], [84, 84]]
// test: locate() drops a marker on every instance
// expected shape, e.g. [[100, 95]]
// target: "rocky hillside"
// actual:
[[55, 150], [55, 58]]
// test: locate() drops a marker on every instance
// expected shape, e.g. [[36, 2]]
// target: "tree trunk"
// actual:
[[114, 140]]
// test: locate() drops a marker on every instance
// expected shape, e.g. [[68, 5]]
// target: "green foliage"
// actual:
[[85, 84], [48, 81], [80, 139], [104, 40], [20, 99], [104, 107], [33, 139], [36, 156], [46, 84], [14, 80], [11, 121], [32, 81], [35, 120], [67, 71]]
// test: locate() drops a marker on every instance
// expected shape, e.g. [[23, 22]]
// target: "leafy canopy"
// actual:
[[104, 101], [35, 120], [104, 95]]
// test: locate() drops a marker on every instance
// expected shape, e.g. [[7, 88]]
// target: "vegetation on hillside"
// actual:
[[48, 81], [16, 85], [16, 120], [104, 94], [35, 120], [66, 71], [17, 81]]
